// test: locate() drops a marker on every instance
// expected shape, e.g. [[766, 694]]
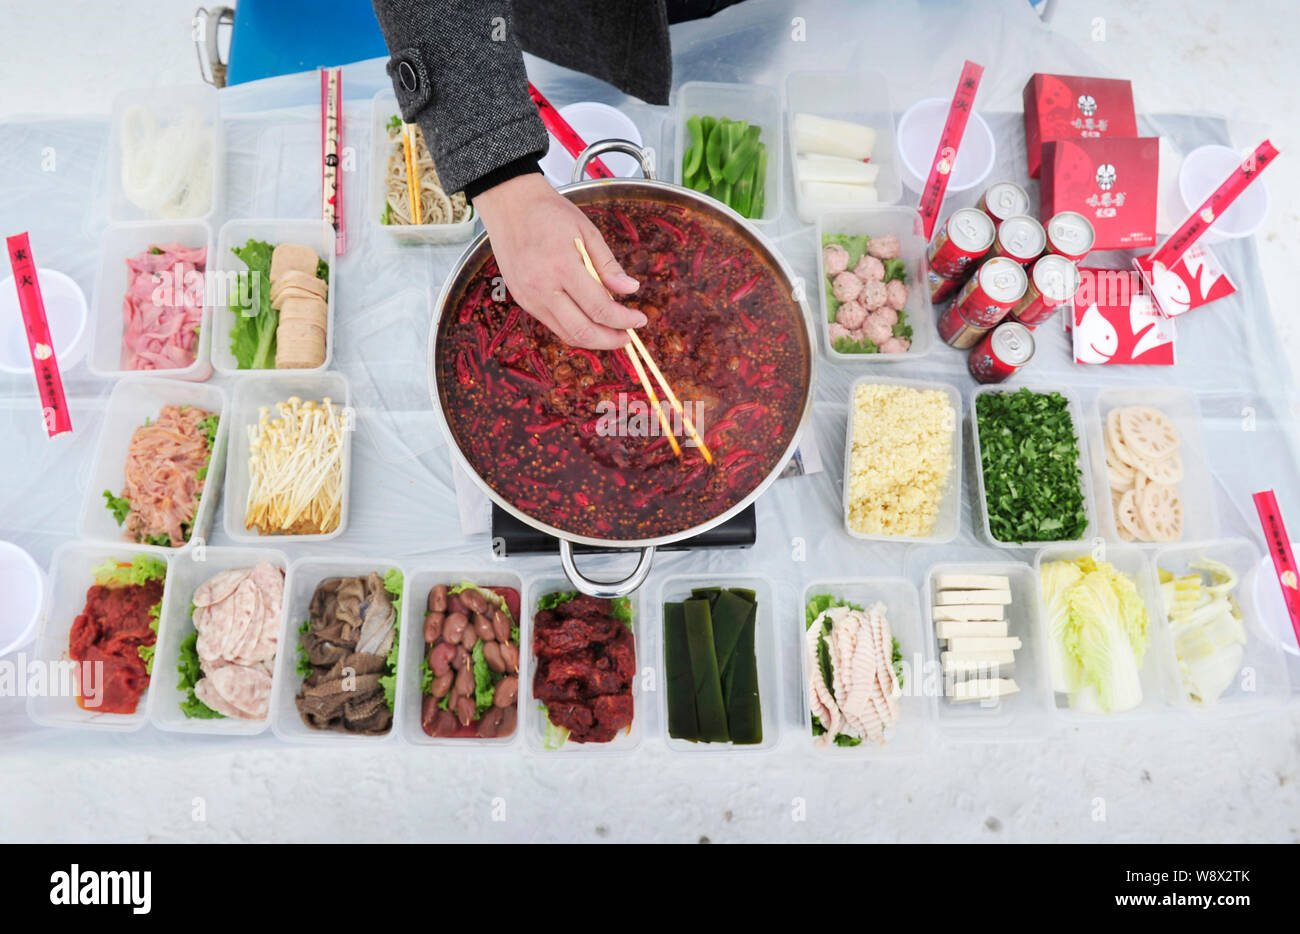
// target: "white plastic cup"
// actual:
[[65, 310], [1202, 172], [918, 136], [592, 121]]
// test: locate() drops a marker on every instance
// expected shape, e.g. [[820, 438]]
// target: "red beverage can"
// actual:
[[941, 289], [1020, 238], [1053, 280], [1002, 200], [965, 237], [957, 332], [1005, 349], [1071, 235], [992, 292]]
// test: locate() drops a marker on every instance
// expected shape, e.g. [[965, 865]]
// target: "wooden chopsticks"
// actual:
[[635, 349], [412, 183]]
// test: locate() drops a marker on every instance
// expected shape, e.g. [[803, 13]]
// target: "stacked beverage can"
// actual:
[[1020, 238], [942, 289], [1070, 234], [956, 331], [1002, 200], [1003, 351], [963, 239], [992, 292], [1053, 280]]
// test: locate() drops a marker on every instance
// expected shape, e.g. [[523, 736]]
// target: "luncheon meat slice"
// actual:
[[248, 690], [162, 308], [238, 628], [215, 589]]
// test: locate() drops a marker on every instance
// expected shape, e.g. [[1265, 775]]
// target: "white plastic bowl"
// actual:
[[22, 582], [918, 137], [1273, 615], [593, 121], [65, 310], [1202, 172]]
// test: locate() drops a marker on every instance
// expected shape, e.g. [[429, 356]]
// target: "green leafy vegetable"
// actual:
[[142, 568], [304, 663], [549, 601], [1030, 457], [555, 736], [191, 672], [156, 251], [895, 269], [484, 686], [426, 675], [117, 505], [394, 584], [146, 653], [162, 538], [394, 123], [322, 270], [209, 426], [252, 337], [387, 217]]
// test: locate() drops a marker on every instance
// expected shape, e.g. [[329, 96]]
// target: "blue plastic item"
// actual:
[[280, 37]]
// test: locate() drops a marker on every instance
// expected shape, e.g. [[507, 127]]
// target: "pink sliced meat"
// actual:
[[163, 307]]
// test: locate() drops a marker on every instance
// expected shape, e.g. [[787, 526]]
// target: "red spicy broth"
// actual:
[[526, 409]]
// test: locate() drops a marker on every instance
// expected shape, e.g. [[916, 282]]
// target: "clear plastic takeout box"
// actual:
[[316, 234], [758, 105], [1200, 518], [1025, 715], [169, 104], [382, 109], [133, 400], [532, 712], [119, 243], [858, 97], [911, 734], [71, 576], [1157, 687], [677, 588], [249, 396], [905, 223], [305, 574], [979, 503], [413, 650], [948, 522], [186, 574], [1263, 682]]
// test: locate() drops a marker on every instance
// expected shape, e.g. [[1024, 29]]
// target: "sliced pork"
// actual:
[[237, 617], [861, 700], [163, 307]]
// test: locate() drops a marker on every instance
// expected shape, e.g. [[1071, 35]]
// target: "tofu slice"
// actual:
[[965, 644], [969, 612], [955, 629], [982, 689], [971, 582], [967, 597], [967, 663]]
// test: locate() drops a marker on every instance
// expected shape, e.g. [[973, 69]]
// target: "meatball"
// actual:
[[873, 294], [877, 330], [846, 287], [869, 268], [886, 314], [896, 294], [895, 345], [851, 315], [885, 247], [835, 258], [838, 331]]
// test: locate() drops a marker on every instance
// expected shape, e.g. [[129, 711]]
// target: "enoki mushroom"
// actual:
[[295, 468]]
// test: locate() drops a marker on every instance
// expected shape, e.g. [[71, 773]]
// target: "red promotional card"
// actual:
[[1074, 107], [1112, 182], [1115, 322], [1195, 280]]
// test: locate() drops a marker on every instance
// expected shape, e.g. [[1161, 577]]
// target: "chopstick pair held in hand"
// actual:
[[636, 349]]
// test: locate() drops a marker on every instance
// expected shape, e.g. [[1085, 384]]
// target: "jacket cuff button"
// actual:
[[406, 74]]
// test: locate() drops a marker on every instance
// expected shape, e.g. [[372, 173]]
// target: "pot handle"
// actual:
[[644, 157], [605, 590]]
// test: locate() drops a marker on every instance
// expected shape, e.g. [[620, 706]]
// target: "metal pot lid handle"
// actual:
[[605, 590], [644, 157]]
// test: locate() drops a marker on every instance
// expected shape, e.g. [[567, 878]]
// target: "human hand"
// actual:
[[532, 228]]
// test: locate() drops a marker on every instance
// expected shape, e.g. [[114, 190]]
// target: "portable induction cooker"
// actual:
[[519, 538]]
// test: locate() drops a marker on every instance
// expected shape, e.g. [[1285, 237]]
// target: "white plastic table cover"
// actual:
[[403, 503]]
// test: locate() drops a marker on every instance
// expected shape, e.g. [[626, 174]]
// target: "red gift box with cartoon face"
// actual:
[[1112, 182], [1114, 321], [1074, 107]]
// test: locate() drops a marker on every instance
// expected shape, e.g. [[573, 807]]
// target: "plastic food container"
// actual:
[[532, 712], [169, 104], [414, 603], [316, 234], [1202, 172], [948, 521], [120, 243], [919, 129], [905, 223], [133, 400], [1263, 681], [186, 574], [71, 576], [1200, 519], [857, 96], [22, 586], [756, 104], [1025, 715], [382, 109], [305, 574], [677, 588], [1158, 688], [979, 504], [65, 312], [261, 390], [910, 735]]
